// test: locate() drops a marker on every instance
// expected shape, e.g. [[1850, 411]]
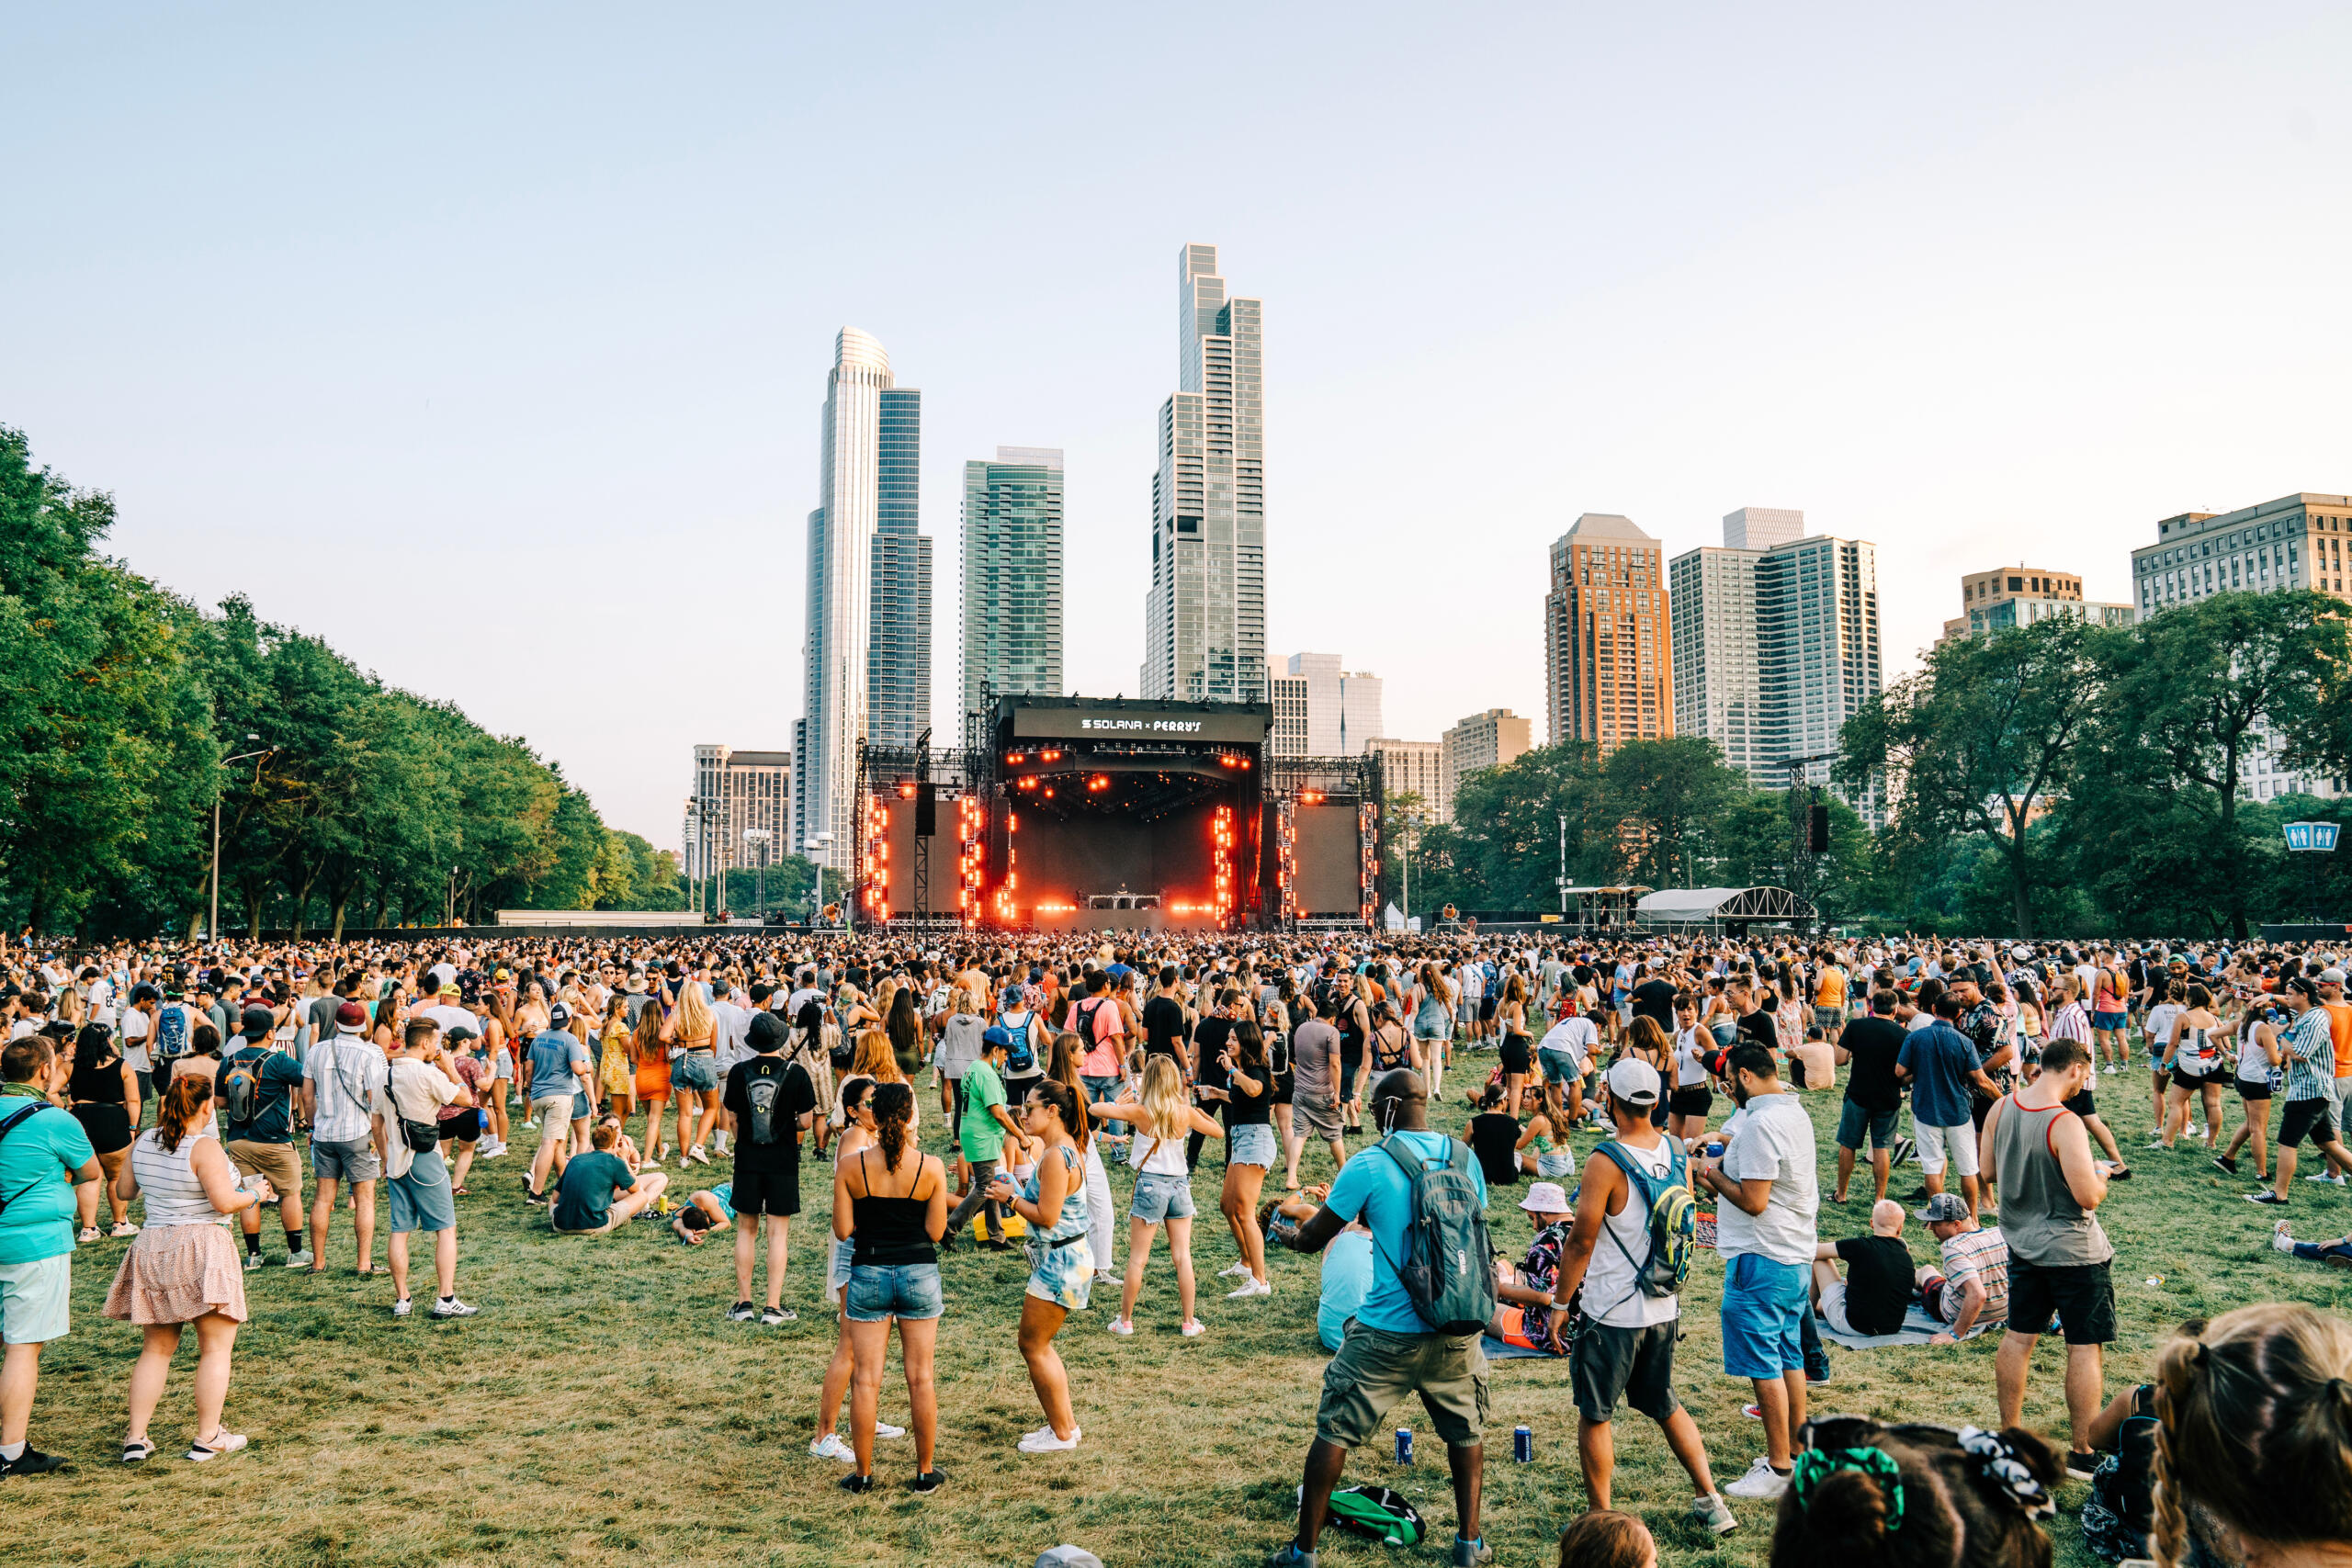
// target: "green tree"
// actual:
[[1661, 798], [1981, 739]]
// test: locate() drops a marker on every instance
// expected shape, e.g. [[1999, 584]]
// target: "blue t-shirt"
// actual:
[[552, 1054], [1941, 1062], [1375, 1189], [1347, 1275], [37, 1159], [583, 1198]]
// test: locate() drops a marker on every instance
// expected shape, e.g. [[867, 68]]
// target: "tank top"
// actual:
[[2043, 1224], [168, 1181], [2254, 1063], [1611, 1293], [887, 1231], [1072, 1220], [1431, 1020], [2196, 1051], [1157, 1156]]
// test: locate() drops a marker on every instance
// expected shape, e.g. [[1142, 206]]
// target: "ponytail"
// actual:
[[189, 1093], [1064, 1102], [892, 1104]]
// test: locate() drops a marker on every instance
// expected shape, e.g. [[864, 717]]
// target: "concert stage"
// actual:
[[1086, 814]]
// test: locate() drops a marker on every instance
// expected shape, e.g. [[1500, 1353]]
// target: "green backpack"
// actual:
[[1673, 1219], [1376, 1514]]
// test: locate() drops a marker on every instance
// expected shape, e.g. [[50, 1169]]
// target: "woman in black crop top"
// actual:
[[890, 1205]]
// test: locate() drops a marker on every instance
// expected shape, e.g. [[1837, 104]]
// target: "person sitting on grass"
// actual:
[[597, 1191], [1523, 1316], [703, 1212], [1876, 1293], [2336, 1254], [1974, 1284]]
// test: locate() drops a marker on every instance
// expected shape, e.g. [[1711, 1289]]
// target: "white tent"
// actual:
[[1716, 906]]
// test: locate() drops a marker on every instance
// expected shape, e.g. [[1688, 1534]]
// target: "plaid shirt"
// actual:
[[2311, 1057]]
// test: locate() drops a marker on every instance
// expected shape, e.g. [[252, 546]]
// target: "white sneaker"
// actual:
[[1043, 1442], [1190, 1328], [1237, 1270], [1249, 1288], [123, 1230], [2279, 1240], [1122, 1326], [453, 1307], [530, 1121], [1761, 1481], [830, 1445], [400, 1307], [86, 1234], [2327, 1175], [298, 1259], [884, 1430]]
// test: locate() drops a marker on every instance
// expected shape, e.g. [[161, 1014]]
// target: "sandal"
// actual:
[[461, 1192], [137, 1453]]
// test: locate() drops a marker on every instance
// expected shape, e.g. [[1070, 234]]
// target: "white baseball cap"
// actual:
[[1633, 1081]]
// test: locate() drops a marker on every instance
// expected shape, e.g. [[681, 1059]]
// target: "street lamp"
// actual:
[[817, 848], [758, 838], [212, 921], [2313, 838]]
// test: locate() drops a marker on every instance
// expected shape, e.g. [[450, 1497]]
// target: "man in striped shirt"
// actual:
[[2073, 1023], [2310, 1103]]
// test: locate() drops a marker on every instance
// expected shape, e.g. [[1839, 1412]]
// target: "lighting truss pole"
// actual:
[[212, 921]]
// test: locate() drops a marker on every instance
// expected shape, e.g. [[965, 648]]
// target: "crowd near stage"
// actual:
[[1106, 814]]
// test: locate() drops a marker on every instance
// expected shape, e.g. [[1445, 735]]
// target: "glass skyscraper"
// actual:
[[1012, 574], [867, 653], [1205, 617]]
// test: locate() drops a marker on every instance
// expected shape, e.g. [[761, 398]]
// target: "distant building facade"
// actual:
[[1483, 741], [2020, 595], [1012, 575], [1607, 637], [1418, 767]]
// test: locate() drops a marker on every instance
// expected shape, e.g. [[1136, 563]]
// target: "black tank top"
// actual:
[[888, 1232]]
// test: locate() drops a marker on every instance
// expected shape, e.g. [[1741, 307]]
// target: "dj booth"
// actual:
[[1087, 814]]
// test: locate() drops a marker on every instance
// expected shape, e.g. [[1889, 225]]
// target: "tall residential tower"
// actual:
[[867, 653], [1205, 616], [1012, 574], [1608, 676]]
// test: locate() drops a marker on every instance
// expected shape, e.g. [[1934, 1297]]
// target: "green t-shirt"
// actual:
[[982, 1135], [584, 1200], [37, 1159]]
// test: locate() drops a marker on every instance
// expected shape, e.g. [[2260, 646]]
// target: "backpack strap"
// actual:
[[10, 1125], [1638, 1182]]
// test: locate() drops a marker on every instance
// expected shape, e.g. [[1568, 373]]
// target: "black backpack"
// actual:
[[764, 1092], [240, 1092]]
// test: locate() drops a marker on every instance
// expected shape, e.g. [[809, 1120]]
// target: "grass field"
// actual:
[[602, 1410]]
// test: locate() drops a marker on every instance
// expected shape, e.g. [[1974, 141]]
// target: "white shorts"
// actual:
[[1933, 1142]]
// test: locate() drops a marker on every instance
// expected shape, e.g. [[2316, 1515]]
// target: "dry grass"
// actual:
[[601, 1410]]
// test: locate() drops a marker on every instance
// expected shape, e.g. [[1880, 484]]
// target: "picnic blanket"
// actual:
[[1918, 1327], [1504, 1350]]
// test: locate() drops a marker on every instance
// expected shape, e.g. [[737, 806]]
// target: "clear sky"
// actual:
[[489, 342]]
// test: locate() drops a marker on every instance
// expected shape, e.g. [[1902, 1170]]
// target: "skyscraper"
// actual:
[[1012, 574], [867, 653], [1287, 693], [1483, 741], [2018, 596], [1418, 767], [1205, 616], [1776, 645], [1608, 660]]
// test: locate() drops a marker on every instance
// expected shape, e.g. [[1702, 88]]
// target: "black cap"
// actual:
[[766, 1033], [258, 1022]]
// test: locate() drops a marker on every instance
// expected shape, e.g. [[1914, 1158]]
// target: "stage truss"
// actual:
[[968, 784]]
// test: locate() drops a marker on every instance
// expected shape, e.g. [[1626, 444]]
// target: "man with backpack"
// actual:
[[1421, 1195], [1629, 1251], [774, 1101], [257, 1084]]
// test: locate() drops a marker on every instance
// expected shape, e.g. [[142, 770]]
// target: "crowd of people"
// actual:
[[182, 1084]]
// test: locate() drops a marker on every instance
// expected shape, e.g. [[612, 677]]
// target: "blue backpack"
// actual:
[[1020, 1057], [1673, 1219]]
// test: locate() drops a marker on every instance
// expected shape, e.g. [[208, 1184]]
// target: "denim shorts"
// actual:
[[879, 1291], [1160, 1198], [1853, 1120], [1252, 1142], [1559, 1066], [1764, 1308], [695, 1070]]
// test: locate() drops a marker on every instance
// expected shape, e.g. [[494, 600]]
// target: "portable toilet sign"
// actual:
[[2318, 836]]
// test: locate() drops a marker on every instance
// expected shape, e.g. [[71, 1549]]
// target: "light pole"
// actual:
[[1564, 862], [758, 838], [694, 847], [817, 847], [213, 921]]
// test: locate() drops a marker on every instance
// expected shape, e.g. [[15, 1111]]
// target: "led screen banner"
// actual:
[[1237, 726]]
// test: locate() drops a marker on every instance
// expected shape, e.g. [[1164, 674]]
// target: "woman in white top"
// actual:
[[2196, 1052], [183, 1268], [2261, 1054], [1161, 1114]]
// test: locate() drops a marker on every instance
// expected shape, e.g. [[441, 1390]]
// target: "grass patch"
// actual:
[[601, 1410]]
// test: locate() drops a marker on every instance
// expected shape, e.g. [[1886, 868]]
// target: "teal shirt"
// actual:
[[982, 1135], [37, 1159], [584, 1200], [1374, 1188]]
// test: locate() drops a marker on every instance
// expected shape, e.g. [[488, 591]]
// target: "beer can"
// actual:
[[1404, 1445], [1522, 1444]]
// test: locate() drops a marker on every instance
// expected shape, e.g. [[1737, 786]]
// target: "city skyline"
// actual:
[[1939, 336]]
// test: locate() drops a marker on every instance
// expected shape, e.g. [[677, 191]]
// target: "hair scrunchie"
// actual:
[[1813, 1466], [2002, 1467]]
